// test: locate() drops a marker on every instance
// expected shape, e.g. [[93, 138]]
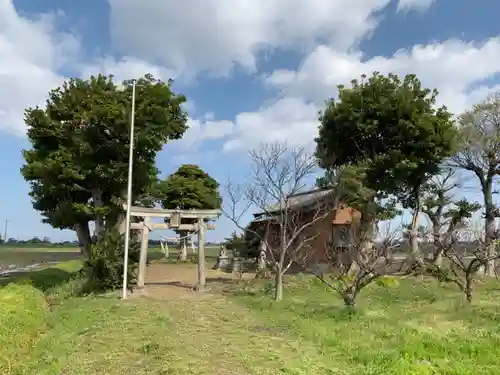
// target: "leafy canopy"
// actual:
[[235, 241], [386, 133], [190, 188], [80, 143]]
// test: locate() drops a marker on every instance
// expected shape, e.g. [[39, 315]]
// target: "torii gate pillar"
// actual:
[[200, 287], [143, 257]]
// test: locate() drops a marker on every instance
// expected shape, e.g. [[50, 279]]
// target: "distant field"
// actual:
[[23, 259], [38, 249], [18, 257], [22, 255]]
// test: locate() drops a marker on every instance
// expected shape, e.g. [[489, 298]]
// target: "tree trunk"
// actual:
[[278, 284], [415, 251], [83, 236], [365, 236], [468, 288], [116, 221], [349, 299], [121, 220], [353, 268], [437, 257], [99, 221], [278, 279], [489, 225], [490, 244]]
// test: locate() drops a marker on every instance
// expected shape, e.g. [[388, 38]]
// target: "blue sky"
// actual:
[[253, 71]]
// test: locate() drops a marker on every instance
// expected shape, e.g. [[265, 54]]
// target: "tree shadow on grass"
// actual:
[[178, 284], [173, 259], [155, 256]]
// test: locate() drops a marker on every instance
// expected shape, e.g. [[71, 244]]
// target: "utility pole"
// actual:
[[129, 193], [5, 231]]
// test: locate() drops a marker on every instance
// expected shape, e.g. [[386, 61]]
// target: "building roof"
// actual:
[[299, 201]]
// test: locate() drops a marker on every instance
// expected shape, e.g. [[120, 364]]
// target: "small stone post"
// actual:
[[183, 245], [237, 263], [191, 241], [144, 253]]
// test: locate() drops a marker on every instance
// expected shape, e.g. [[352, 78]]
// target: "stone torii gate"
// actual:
[[175, 223]]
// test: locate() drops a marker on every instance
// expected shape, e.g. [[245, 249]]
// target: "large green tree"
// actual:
[[77, 165], [189, 188], [384, 137]]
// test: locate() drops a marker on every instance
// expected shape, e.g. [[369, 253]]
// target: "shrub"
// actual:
[[104, 269], [23, 314]]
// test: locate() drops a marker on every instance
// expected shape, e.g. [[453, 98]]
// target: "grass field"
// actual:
[[413, 327], [22, 256], [18, 257]]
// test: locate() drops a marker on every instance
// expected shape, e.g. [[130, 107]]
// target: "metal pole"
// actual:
[[129, 193], [5, 231]]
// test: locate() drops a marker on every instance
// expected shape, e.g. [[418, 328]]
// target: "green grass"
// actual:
[[34, 248], [46, 278], [11, 257], [414, 327], [23, 313]]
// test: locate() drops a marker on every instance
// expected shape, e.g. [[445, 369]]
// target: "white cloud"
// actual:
[[215, 35], [172, 37], [124, 68], [452, 67], [457, 69], [291, 119], [419, 5], [203, 129], [30, 53], [279, 78], [129, 68]]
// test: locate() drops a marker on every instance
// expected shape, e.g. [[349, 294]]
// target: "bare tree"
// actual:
[[464, 265], [436, 202], [286, 219], [338, 272], [448, 219], [480, 154]]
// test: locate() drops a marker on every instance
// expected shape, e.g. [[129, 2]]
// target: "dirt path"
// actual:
[[177, 281], [213, 334], [209, 326]]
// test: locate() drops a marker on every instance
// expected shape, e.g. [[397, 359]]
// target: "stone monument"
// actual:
[[237, 263], [222, 263], [262, 262], [262, 270]]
